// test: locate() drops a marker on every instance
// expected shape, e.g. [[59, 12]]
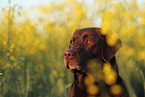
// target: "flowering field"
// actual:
[[32, 42]]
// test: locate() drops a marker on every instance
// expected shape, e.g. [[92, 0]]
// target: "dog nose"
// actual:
[[69, 53]]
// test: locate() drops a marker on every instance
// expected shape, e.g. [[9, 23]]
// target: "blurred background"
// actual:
[[35, 33]]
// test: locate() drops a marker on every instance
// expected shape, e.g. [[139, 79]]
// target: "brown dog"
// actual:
[[85, 45]]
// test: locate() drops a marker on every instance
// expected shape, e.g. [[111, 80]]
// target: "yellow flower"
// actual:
[[141, 55], [4, 42], [109, 73], [1, 73], [111, 39], [89, 80], [107, 68], [28, 27], [36, 24], [18, 67], [116, 25], [55, 73], [143, 21], [94, 67], [32, 50], [12, 46], [8, 54], [12, 58], [116, 89], [110, 78], [11, 50], [8, 64], [104, 31], [42, 47], [92, 89], [20, 29]]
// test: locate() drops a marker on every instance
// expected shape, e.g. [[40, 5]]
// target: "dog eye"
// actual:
[[71, 42], [88, 41]]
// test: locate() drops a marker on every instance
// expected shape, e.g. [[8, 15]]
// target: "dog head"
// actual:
[[86, 44]]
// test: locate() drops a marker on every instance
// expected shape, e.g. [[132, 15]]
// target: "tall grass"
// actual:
[[31, 47]]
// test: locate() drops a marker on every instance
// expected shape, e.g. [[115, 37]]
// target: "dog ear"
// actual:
[[109, 49]]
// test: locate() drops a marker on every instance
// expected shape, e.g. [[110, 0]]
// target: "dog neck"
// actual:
[[78, 87], [79, 79]]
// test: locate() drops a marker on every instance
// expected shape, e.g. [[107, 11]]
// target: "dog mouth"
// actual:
[[73, 67], [77, 71]]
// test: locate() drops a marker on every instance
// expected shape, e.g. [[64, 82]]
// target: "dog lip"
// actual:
[[77, 71], [73, 67], [77, 68], [66, 63], [67, 66]]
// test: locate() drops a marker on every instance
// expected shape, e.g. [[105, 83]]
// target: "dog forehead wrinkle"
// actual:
[[78, 33], [75, 37], [81, 32], [92, 36], [83, 35], [89, 33]]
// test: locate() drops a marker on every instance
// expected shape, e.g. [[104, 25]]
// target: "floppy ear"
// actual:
[[109, 51]]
